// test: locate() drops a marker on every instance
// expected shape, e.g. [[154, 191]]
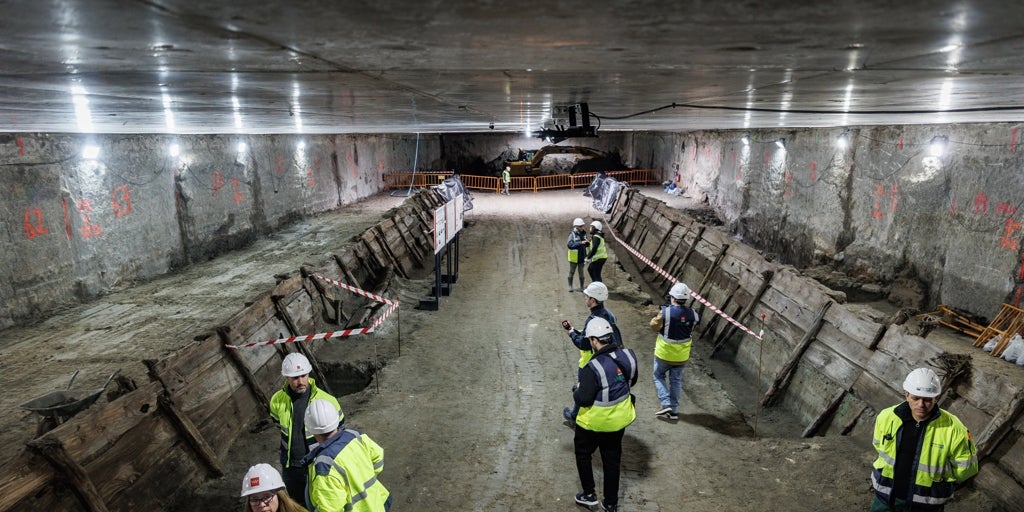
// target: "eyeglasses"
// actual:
[[261, 500]]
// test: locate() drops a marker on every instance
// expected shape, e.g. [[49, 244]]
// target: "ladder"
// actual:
[[1008, 322]]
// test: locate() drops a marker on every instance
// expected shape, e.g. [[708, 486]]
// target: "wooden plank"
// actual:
[[1000, 425], [830, 408], [784, 373], [22, 477], [1000, 486], [53, 451], [192, 436]]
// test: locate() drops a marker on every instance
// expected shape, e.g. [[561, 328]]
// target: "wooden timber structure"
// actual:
[[850, 366], [118, 455]]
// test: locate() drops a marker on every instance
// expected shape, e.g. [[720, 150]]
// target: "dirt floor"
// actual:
[[469, 413], [467, 400]]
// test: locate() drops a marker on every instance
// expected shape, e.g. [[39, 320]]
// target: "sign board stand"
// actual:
[[447, 224]]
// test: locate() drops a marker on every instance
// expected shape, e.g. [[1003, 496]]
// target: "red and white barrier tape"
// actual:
[[355, 290], [693, 294], [335, 334]]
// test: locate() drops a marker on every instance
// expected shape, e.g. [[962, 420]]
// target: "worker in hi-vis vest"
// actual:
[[924, 452], [577, 245], [605, 410]]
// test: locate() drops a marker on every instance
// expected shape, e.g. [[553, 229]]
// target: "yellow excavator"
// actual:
[[529, 165]]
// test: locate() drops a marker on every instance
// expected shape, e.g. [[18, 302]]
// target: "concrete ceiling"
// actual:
[[387, 66]]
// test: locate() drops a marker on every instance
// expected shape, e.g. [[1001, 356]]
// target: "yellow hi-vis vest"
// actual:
[[947, 456], [667, 348], [574, 254], [281, 413], [343, 474], [602, 248], [613, 408]]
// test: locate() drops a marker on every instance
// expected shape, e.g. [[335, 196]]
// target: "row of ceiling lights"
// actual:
[[936, 147]]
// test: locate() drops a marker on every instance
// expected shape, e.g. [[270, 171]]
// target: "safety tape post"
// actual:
[[702, 300]]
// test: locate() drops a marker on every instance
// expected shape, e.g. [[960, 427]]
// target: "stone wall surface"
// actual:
[[881, 207], [77, 227]]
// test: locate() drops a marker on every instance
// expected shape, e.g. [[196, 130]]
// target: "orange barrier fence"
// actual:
[[393, 180]]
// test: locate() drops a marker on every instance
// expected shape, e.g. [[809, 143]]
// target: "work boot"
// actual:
[[587, 500], [570, 285], [609, 508]]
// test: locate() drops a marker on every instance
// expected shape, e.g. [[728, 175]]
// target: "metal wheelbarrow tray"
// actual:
[[66, 403]]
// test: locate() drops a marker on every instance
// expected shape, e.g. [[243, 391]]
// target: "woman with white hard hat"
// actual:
[[263, 490], [598, 251]]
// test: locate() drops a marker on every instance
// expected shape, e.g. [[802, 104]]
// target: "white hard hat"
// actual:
[[923, 382], [261, 477], [596, 224], [295, 365], [578, 222], [597, 290], [599, 328], [679, 291], [322, 417]]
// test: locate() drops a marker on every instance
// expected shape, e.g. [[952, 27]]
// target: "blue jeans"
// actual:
[[668, 392]]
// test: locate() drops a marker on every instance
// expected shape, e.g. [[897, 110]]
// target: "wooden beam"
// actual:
[[766, 281], [192, 436], [53, 451], [1000, 425], [783, 375], [243, 370], [829, 409], [852, 420], [712, 268]]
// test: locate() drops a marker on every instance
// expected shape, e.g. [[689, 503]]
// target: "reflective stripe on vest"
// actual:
[[612, 409], [602, 248], [946, 455]]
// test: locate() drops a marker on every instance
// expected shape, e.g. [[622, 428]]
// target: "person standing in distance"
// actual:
[[598, 251], [924, 452], [344, 466], [506, 177], [605, 410], [287, 409], [674, 325], [577, 244]]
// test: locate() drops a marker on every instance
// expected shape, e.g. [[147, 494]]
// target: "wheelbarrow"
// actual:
[[59, 406]]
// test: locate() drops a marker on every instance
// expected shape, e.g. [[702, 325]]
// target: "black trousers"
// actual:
[[610, 445], [295, 482], [594, 269]]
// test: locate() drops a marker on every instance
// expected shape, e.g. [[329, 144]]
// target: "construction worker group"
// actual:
[[923, 452], [325, 466]]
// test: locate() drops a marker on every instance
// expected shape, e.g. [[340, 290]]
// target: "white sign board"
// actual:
[[447, 222]]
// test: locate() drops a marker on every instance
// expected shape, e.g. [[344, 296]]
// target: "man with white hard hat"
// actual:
[[344, 467], [595, 295], [577, 244], [674, 325], [606, 408], [924, 452], [287, 409]]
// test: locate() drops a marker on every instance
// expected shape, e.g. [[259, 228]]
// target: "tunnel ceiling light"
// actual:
[[301, 145], [938, 145], [746, 139], [91, 152], [781, 143], [174, 150], [242, 147]]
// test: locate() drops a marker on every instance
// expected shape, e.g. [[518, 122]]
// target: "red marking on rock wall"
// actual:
[[36, 228], [899, 145], [88, 229], [21, 146], [236, 185], [1013, 140], [814, 171]]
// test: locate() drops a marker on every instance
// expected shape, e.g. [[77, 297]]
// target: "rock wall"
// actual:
[[77, 227], [881, 207]]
